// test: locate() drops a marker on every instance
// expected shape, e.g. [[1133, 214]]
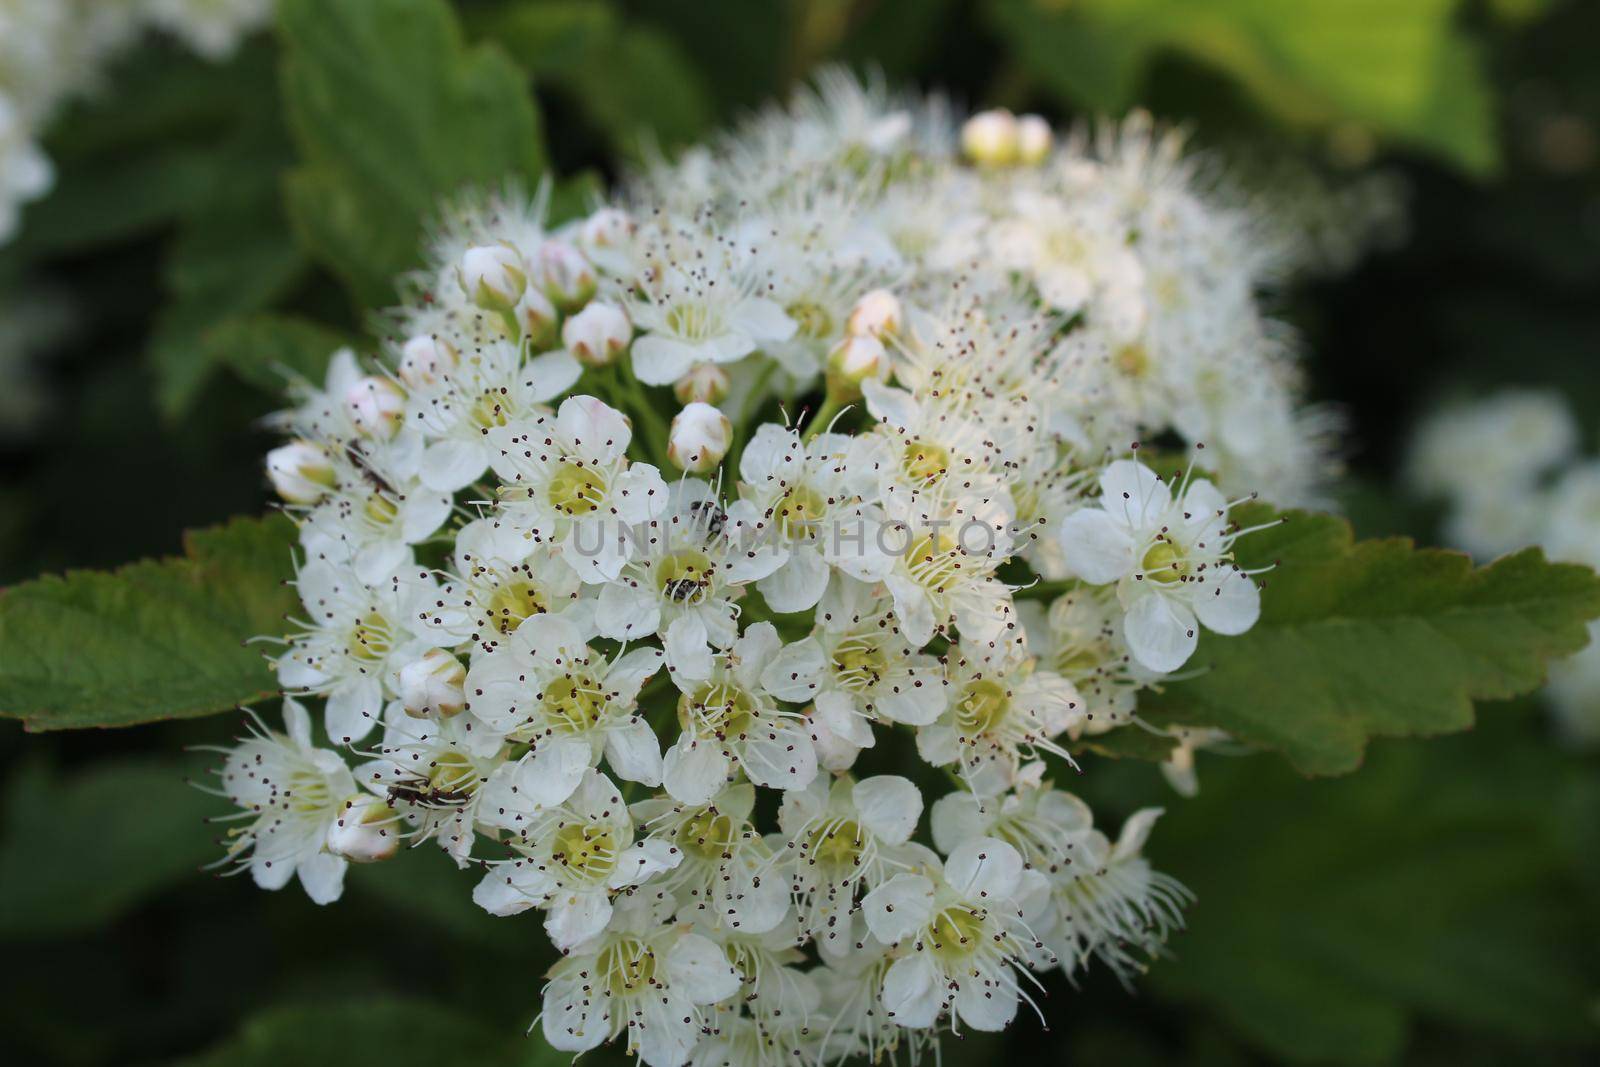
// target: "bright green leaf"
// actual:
[[158, 639], [81, 848], [393, 114], [1375, 639]]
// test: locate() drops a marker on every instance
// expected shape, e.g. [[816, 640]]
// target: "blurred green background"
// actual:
[[1442, 905]]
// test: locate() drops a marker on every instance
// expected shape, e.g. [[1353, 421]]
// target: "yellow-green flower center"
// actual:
[[1164, 562], [490, 410], [370, 639], [707, 834], [1131, 360], [811, 319], [955, 932], [836, 845], [982, 707], [722, 709], [512, 602], [924, 461], [587, 850], [684, 576], [576, 490], [575, 702], [380, 509], [859, 662], [799, 512], [626, 967], [453, 775]]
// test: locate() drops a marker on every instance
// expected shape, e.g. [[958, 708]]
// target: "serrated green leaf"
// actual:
[[393, 114], [81, 848], [158, 639], [377, 1032], [1439, 884], [1374, 639], [269, 350]]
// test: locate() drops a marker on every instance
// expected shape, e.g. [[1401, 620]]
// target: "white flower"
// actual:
[[359, 637], [697, 313], [567, 277], [1496, 445], [547, 688], [808, 503], [1001, 712], [845, 836], [490, 387], [963, 933], [729, 875], [639, 978], [501, 578], [570, 859], [295, 793], [1077, 256], [1171, 560], [990, 138], [1080, 638], [948, 544], [372, 516], [682, 585], [860, 670], [377, 406], [731, 722], [569, 483], [434, 773]]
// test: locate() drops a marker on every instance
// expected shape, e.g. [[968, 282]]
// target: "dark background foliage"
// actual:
[[1441, 905]]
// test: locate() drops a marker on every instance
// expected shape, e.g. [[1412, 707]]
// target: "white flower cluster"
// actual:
[[54, 50], [1510, 470], [626, 664]]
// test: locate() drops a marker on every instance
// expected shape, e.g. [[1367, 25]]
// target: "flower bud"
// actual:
[[699, 438], [853, 361], [537, 318], [989, 138], [492, 276], [301, 472], [568, 277], [877, 314], [598, 334], [1034, 140], [433, 685], [365, 831], [607, 228], [424, 359], [705, 382], [376, 406]]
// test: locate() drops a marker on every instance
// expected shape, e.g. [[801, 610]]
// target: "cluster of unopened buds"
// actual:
[[623, 663]]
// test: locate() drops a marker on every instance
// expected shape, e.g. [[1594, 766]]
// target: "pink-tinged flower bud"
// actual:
[[425, 359], [699, 438], [876, 314], [367, 830], [493, 276], [990, 138], [301, 472], [853, 361], [377, 406], [1034, 140], [705, 382], [568, 278], [598, 334], [537, 317], [433, 686]]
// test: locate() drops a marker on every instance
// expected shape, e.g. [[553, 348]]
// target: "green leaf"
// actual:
[[367, 1033], [633, 82], [1442, 883], [393, 114], [1404, 70], [158, 639], [1374, 639], [81, 849], [269, 350]]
